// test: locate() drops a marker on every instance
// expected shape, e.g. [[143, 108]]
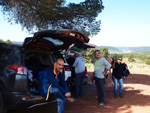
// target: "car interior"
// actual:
[[36, 62]]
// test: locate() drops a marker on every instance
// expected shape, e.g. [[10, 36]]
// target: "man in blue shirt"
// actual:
[[79, 65], [52, 82]]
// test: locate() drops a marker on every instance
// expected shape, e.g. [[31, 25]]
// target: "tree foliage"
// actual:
[[54, 14], [7, 41], [89, 56], [148, 61], [104, 52], [1, 40]]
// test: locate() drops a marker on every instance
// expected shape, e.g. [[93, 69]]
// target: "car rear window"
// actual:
[[55, 42]]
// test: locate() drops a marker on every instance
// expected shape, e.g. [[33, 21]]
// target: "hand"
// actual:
[[103, 73], [68, 94]]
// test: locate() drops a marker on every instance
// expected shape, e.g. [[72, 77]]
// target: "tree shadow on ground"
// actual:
[[135, 94]]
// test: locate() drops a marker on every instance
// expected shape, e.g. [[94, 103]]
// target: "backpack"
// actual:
[[126, 72]]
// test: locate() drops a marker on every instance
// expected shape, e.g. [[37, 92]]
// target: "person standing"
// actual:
[[52, 82], [100, 69], [117, 75], [79, 65], [112, 62]]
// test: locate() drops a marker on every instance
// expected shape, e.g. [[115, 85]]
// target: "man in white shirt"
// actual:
[[79, 65]]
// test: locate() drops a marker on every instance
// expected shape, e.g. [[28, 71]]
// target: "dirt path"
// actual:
[[136, 98]]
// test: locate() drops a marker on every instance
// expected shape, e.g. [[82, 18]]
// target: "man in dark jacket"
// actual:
[[52, 82]]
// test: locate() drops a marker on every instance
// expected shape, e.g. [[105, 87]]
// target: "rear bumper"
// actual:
[[22, 100], [13, 98]]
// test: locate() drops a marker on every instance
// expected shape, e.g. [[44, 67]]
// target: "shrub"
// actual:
[[131, 67], [148, 62]]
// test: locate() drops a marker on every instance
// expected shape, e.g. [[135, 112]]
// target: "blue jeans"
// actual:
[[100, 86], [79, 83], [116, 81], [60, 98]]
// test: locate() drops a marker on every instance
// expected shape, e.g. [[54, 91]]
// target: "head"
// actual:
[[76, 55], [111, 61], [59, 64], [119, 60], [97, 54]]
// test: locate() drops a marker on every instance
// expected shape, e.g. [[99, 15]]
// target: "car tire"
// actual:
[[2, 110]]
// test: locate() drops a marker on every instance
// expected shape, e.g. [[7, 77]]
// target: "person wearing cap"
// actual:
[[101, 66], [117, 75], [52, 83], [79, 65]]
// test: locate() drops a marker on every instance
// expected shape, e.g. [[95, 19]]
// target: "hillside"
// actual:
[[126, 49]]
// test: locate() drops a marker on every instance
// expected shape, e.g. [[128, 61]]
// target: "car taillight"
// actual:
[[67, 68], [19, 69], [69, 85]]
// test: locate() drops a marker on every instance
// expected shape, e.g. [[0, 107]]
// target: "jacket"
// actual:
[[48, 80]]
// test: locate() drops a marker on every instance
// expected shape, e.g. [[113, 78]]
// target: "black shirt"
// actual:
[[118, 70]]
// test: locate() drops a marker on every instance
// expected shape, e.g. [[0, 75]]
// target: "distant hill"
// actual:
[[127, 49], [111, 49], [19, 43], [139, 49]]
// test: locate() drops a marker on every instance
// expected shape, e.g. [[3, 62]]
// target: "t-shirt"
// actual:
[[99, 67], [79, 65]]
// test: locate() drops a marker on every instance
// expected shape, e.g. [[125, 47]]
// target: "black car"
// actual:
[[20, 65]]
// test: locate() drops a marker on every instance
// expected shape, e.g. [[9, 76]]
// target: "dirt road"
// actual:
[[136, 99]]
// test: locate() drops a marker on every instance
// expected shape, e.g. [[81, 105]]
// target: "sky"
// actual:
[[124, 23]]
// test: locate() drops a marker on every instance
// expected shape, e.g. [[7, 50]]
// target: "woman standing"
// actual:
[[117, 75]]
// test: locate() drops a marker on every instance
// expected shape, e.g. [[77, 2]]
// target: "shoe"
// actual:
[[115, 95], [101, 104], [70, 99], [121, 95]]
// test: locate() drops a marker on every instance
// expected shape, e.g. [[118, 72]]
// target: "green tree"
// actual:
[[8, 41], [131, 58], [89, 56], [104, 52], [54, 14], [148, 61], [1, 40]]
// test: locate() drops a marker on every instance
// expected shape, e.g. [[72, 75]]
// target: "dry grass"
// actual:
[[135, 68]]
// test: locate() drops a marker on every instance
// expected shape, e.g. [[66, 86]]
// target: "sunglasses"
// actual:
[[120, 59]]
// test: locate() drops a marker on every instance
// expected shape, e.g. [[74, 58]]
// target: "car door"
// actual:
[[54, 40], [69, 60]]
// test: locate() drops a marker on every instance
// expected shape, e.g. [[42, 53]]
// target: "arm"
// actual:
[[75, 63], [107, 64], [52, 80], [63, 83]]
